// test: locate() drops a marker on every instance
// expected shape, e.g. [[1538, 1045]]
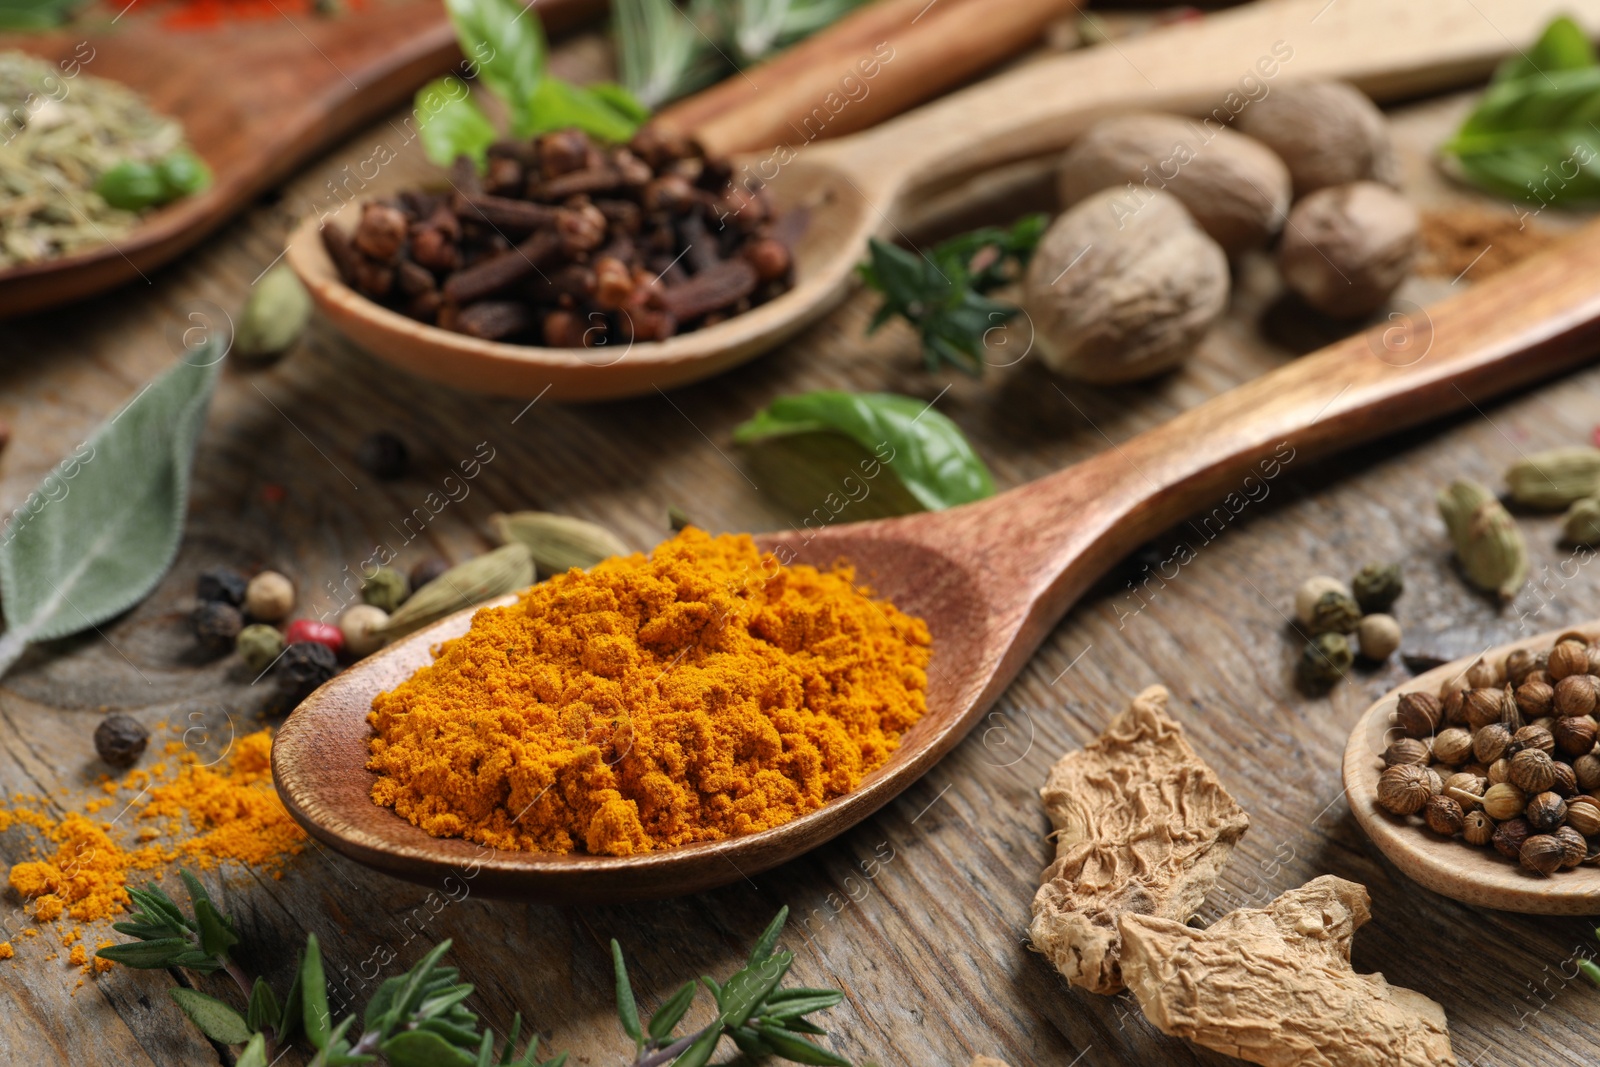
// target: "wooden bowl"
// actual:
[[1451, 867]]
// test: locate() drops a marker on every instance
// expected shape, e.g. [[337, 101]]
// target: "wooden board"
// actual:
[[256, 98], [919, 914]]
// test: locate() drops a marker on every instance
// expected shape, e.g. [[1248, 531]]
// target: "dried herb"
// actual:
[[664, 51], [942, 292], [761, 27], [420, 1018], [100, 530], [925, 450]]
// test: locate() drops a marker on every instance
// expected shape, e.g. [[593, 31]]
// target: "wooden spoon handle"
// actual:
[[1057, 535], [1385, 48]]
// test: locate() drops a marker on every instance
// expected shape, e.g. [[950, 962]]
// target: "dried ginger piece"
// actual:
[[1143, 826], [1274, 985]]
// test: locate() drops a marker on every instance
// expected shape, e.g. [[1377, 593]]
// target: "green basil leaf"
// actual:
[[627, 1007], [620, 100], [671, 1013], [97, 534], [263, 1010], [924, 449], [1562, 46], [146, 955], [794, 1047], [451, 124], [504, 42], [382, 998], [1536, 138], [254, 1054], [214, 1018], [423, 1048], [559, 105], [314, 995]]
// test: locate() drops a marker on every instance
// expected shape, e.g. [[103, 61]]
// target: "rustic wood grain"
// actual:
[[920, 912]]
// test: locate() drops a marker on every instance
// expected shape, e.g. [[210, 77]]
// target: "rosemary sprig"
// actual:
[[942, 292], [419, 1019]]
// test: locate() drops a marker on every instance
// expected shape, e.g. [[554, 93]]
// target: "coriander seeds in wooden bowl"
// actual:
[[1480, 779]]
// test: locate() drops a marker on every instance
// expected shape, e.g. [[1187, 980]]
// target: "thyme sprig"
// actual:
[[419, 1019], [942, 292]]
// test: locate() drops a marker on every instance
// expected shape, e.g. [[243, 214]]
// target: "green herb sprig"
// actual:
[[942, 292], [1534, 134], [419, 1019]]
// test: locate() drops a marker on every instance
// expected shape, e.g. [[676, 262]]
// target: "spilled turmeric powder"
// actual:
[[701, 692], [180, 813]]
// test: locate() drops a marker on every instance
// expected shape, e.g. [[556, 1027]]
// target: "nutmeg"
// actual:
[[1542, 853], [1404, 788], [1443, 815], [1418, 714], [1532, 771], [1326, 133]]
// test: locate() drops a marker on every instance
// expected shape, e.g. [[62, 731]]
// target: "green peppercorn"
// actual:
[[182, 173], [259, 646], [385, 588], [130, 186], [1325, 660], [1377, 586], [120, 739], [1336, 612]]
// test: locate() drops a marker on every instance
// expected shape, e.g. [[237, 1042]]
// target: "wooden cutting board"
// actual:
[[257, 99]]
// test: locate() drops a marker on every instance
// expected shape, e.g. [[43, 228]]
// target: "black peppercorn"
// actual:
[[216, 626], [427, 570], [120, 739], [303, 666], [383, 455], [221, 583]]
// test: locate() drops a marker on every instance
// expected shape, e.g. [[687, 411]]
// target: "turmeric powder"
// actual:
[[702, 692]]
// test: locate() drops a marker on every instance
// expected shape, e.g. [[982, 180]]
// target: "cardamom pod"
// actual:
[[493, 574], [1582, 523], [274, 315], [557, 543], [1555, 478], [1487, 542]]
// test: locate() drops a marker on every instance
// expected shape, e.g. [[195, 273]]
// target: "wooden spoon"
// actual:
[[863, 186], [1450, 866], [992, 578]]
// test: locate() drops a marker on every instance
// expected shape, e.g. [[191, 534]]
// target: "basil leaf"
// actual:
[[925, 450], [504, 42], [1562, 46], [451, 124], [97, 534], [1536, 138], [214, 1018], [620, 100], [559, 105]]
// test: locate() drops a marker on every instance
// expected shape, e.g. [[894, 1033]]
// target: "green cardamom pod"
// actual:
[[1555, 478], [1488, 544], [557, 543], [493, 574], [1582, 523], [274, 315]]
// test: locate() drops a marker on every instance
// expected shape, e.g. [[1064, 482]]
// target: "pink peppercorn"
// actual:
[[323, 633]]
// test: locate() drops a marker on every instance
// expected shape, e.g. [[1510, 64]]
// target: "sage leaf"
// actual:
[[451, 124], [314, 995], [214, 1018], [504, 42], [96, 535], [421, 1048], [263, 1010], [925, 450], [216, 931], [627, 1008]]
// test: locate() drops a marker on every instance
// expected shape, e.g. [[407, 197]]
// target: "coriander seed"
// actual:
[[1519, 665], [1443, 815], [1542, 854], [1418, 714], [1566, 782], [1576, 694], [1483, 674], [120, 739], [1536, 736], [1509, 836], [1377, 586], [1404, 788], [1484, 705], [1568, 658], [1491, 742], [1587, 770], [1575, 734], [1454, 702], [1574, 848], [1406, 750], [1535, 699], [1499, 771], [1477, 828], [1583, 815], [1465, 785], [1545, 812], [1532, 771], [1503, 801], [269, 597], [1452, 745]]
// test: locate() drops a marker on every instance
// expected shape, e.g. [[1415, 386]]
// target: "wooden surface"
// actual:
[[919, 913], [257, 99], [1449, 865]]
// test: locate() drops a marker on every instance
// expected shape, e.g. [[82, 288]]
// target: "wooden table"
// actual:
[[920, 914]]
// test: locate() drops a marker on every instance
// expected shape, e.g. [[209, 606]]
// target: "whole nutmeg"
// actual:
[[1237, 189], [1534, 735], [1576, 694], [1310, 593], [1542, 853], [1489, 743], [1574, 848], [1406, 750], [1326, 133], [269, 597], [1536, 699], [1520, 664], [1116, 293], [1484, 705], [1443, 815], [1583, 815], [1348, 248], [1532, 771], [1477, 828], [1568, 658], [1499, 771], [1545, 812], [1575, 734], [1377, 586], [1404, 788], [1379, 637], [1587, 770], [1482, 675], [1418, 714], [1503, 801], [1509, 836], [1452, 745], [1566, 783]]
